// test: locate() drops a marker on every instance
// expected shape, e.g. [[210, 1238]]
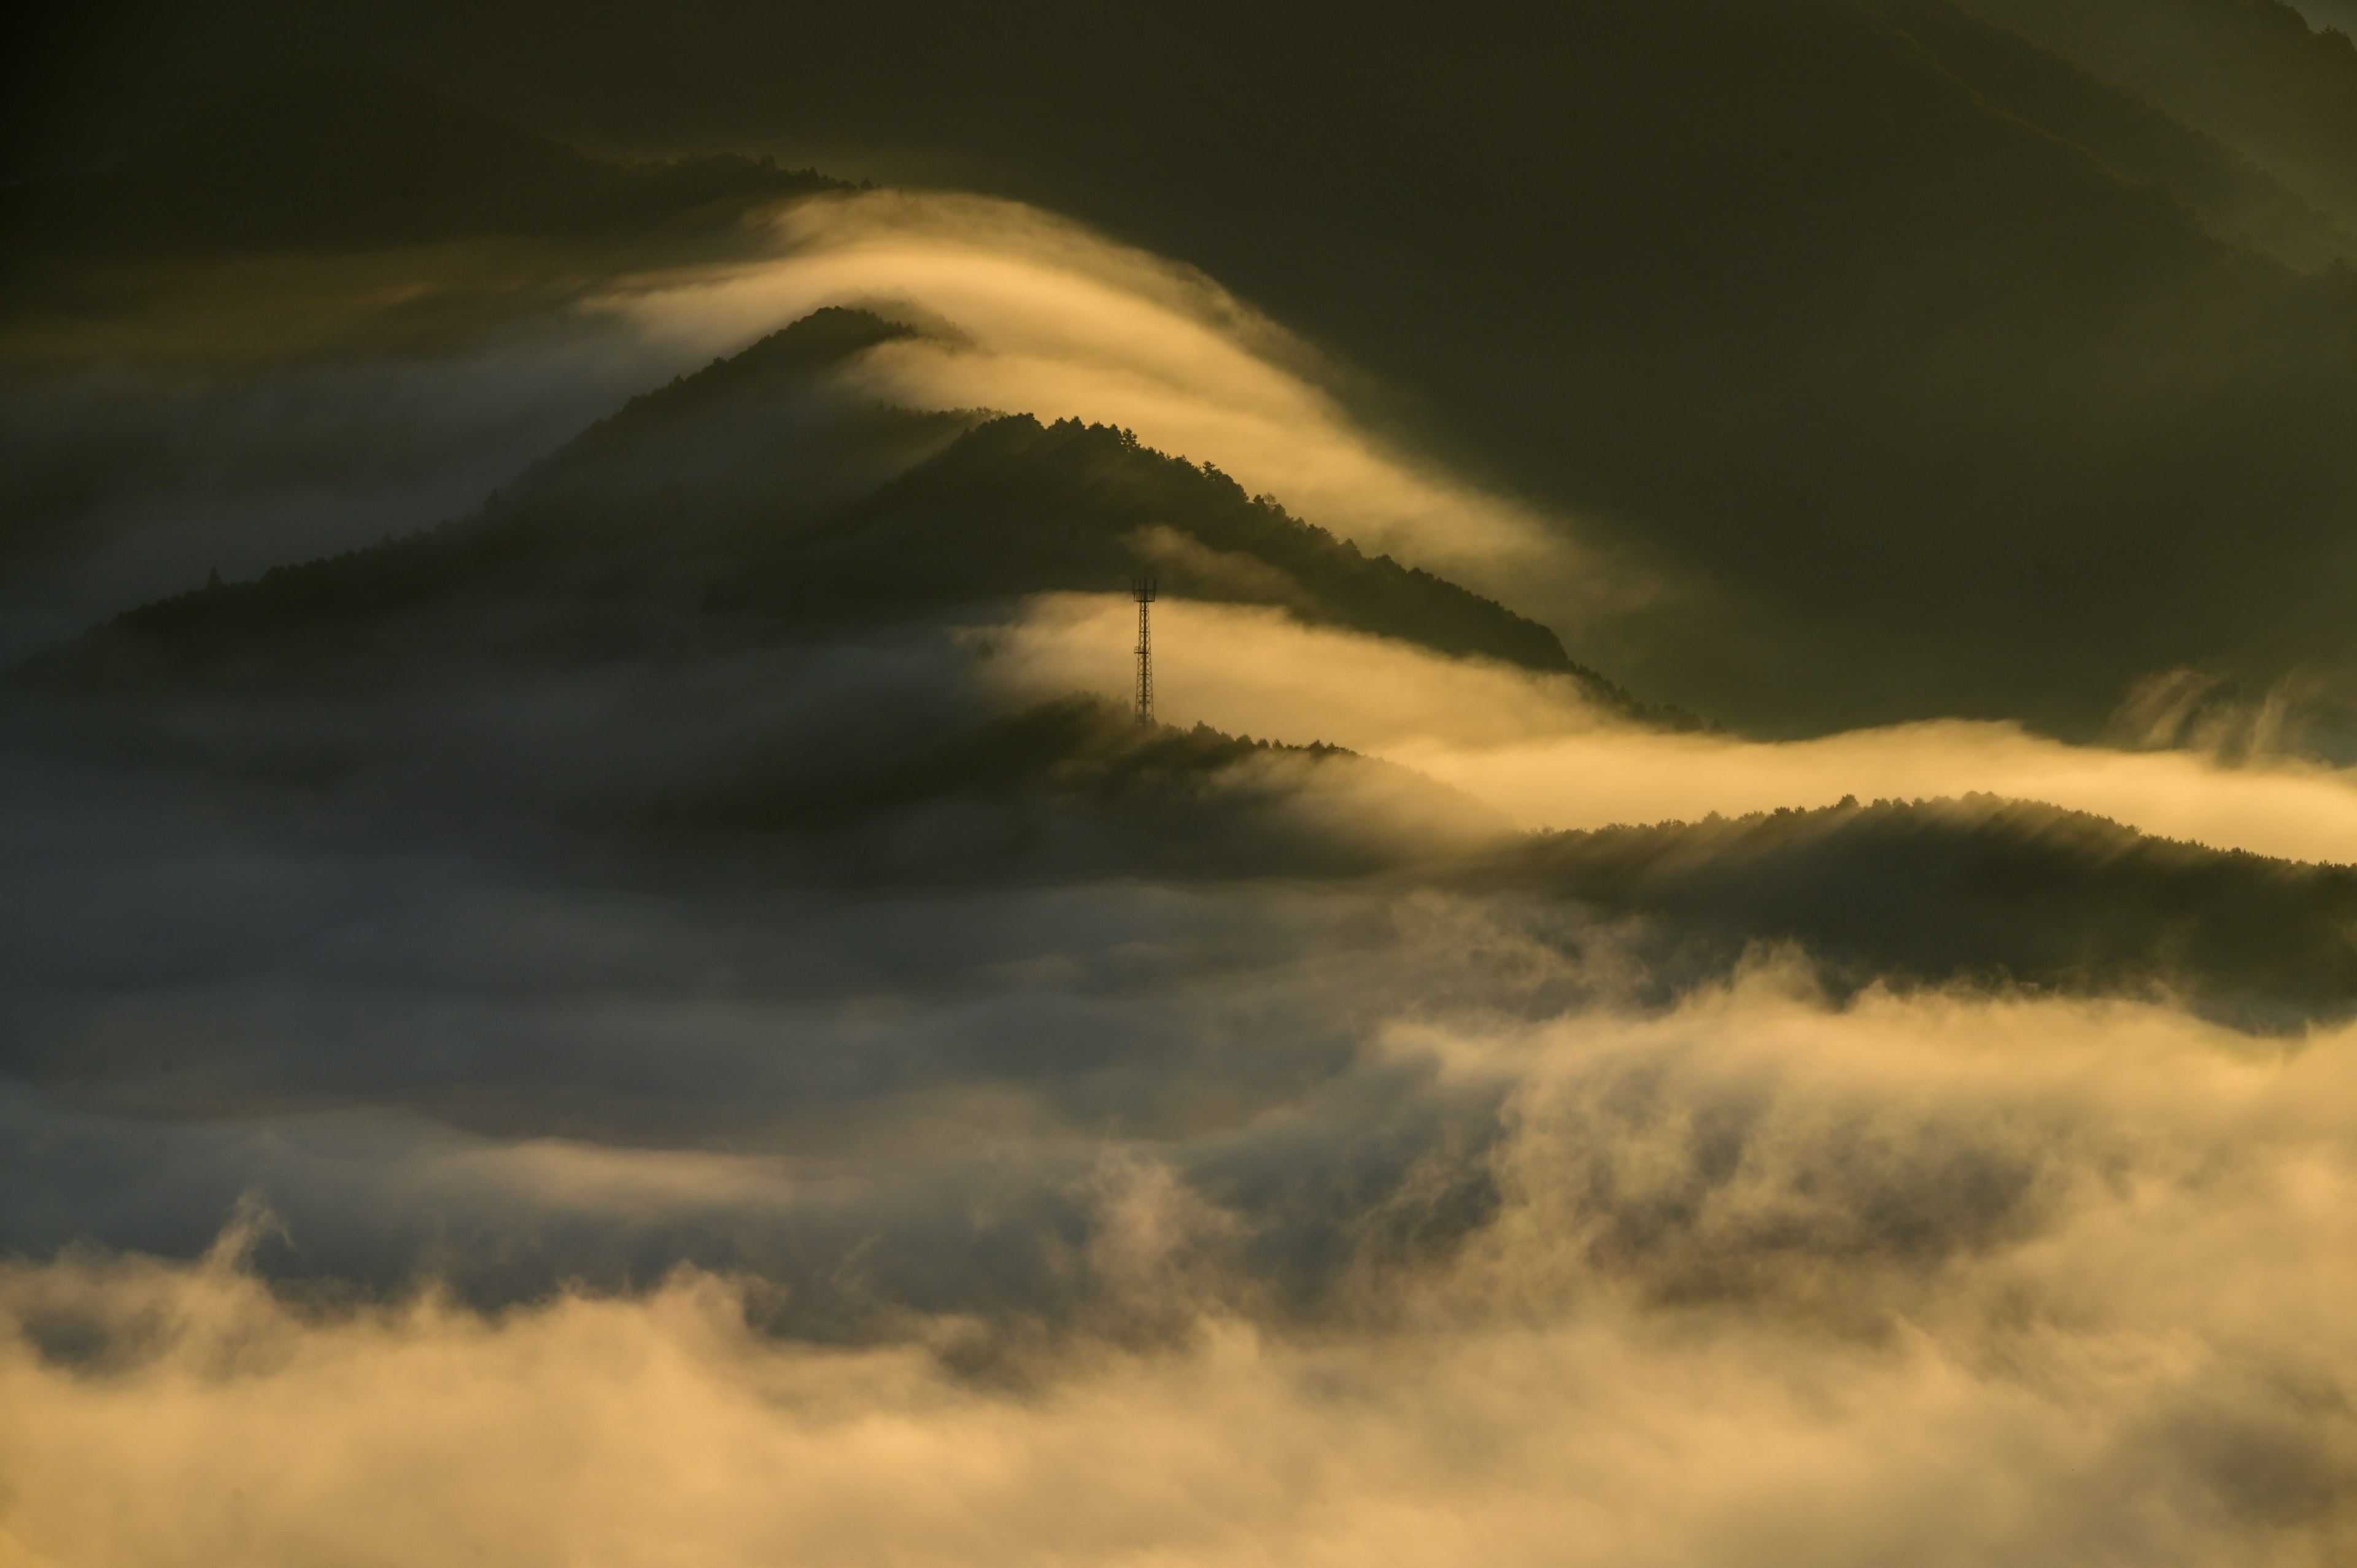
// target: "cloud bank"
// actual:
[[1937, 1278]]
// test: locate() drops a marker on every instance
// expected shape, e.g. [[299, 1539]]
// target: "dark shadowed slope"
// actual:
[[2235, 197], [1986, 889], [2253, 72]]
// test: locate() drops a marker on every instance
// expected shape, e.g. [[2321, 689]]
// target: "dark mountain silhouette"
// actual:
[[1984, 889], [713, 504]]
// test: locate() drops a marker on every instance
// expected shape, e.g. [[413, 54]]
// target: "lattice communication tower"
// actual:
[[1142, 590]]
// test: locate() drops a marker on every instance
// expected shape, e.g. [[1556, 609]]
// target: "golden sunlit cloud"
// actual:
[[1952, 1277], [1540, 749], [1053, 319]]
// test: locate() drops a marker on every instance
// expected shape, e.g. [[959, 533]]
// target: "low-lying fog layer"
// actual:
[[1534, 746], [379, 1194], [1954, 1279]]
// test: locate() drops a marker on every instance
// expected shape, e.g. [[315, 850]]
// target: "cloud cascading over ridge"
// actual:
[[1040, 315]]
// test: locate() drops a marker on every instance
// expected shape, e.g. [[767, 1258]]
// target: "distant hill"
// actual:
[[2234, 196], [1982, 889], [2254, 73]]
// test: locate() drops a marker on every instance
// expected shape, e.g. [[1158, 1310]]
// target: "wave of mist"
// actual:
[[1036, 314]]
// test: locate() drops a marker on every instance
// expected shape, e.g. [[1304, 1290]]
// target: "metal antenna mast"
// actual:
[[1142, 590]]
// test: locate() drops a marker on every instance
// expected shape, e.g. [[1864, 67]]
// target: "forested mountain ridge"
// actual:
[[1981, 889], [719, 501], [1016, 506]]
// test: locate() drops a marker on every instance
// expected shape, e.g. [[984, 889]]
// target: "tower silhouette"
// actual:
[[1142, 590]]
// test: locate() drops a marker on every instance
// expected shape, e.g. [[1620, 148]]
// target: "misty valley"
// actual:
[[1716, 925]]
